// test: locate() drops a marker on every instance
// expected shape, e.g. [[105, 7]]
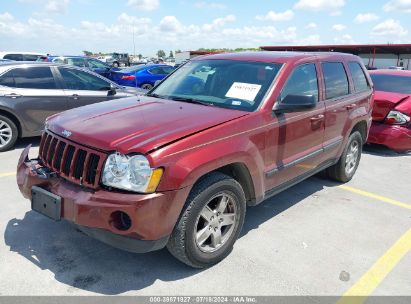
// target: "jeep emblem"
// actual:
[[66, 133]]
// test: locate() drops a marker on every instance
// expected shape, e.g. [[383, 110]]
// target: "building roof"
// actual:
[[346, 48]]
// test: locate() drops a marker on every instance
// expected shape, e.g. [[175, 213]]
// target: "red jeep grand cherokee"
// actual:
[[178, 167]]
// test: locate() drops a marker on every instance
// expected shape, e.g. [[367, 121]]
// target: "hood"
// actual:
[[384, 102], [137, 124]]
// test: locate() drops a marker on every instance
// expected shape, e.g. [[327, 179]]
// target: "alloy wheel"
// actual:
[[216, 222], [5, 133], [352, 157]]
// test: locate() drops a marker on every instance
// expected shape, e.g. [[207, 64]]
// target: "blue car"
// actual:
[[92, 64], [142, 76]]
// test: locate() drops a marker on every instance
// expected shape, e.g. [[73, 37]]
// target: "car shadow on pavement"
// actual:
[[380, 150], [84, 263], [24, 142]]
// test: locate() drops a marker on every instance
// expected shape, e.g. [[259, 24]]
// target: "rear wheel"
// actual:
[[8, 133], [115, 65], [345, 168], [210, 223], [146, 86]]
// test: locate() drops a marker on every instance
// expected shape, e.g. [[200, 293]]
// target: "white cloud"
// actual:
[[57, 6], [210, 5], [344, 39], [389, 28], [170, 24], [273, 16], [311, 25], [398, 5], [339, 27], [366, 17], [145, 5], [319, 5], [309, 40], [218, 23]]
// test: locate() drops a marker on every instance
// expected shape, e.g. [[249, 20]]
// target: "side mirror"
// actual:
[[295, 103], [112, 92]]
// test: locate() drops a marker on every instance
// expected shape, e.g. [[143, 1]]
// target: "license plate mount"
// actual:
[[46, 203]]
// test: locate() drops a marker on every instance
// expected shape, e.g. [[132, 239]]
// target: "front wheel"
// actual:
[[210, 223], [8, 133], [344, 169], [116, 64]]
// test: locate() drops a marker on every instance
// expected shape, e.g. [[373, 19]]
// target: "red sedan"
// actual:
[[391, 124]]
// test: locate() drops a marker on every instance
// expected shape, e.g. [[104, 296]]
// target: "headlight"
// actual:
[[130, 173], [396, 118]]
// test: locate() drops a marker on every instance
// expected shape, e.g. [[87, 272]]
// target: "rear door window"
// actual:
[[303, 81], [34, 78], [80, 80], [358, 77], [335, 78]]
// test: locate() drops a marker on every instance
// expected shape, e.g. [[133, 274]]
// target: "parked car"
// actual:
[[116, 60], [92, 64], [177, 168], [20, 56], [143, 76], [391, 124], [29, 92]]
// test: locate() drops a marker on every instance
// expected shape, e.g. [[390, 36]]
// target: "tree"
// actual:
[[161, 54], [87, 53], [171, 54]]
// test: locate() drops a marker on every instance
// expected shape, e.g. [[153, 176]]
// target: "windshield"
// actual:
[[392, 83], [224, 83]]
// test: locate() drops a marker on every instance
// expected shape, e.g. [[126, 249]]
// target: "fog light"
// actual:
[[120, 220]]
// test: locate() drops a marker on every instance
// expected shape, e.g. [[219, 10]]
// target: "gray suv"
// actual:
[[30, 92]]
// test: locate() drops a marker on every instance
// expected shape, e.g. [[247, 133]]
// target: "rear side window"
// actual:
[[156, 71], [303, 81], [79, 80], [30, 57], [17, 57], [34, 78], [336, 81], [7, 80], [358, 77], [392, 83]]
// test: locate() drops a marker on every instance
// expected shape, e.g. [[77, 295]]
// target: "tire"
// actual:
[[347, 165], [146, 86], [115, 65], [8, 133], [194, 240]]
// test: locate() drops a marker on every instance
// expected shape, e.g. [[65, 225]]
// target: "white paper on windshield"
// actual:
[[241, 90]]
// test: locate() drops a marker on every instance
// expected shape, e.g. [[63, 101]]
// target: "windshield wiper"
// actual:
[[190, 100], [155, 95]]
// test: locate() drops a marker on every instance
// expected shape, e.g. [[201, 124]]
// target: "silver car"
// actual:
[[32, 91]]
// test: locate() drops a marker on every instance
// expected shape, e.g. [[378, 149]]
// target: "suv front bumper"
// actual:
[[153, 216]]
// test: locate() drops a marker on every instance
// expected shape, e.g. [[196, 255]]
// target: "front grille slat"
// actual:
[[71, 161]]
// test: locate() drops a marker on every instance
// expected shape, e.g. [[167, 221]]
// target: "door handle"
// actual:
[[12, 95], [351, 106], [75, 96], [317, 118]]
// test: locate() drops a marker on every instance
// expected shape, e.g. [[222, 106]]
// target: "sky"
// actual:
[[71, 26]]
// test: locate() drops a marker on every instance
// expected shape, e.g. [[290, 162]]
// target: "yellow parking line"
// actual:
[[359, 292], [375, 196], [7, 174]]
